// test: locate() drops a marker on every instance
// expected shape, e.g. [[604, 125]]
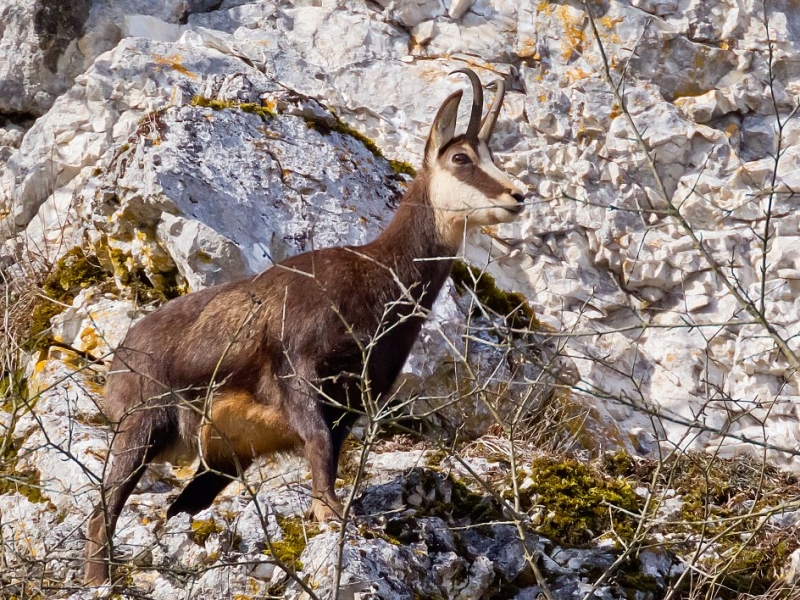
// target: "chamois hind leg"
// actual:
[[339, 434], [131, 451]]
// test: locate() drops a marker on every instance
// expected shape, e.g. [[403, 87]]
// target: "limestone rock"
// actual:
[[102, 146], [46, 45], [414, 12], [458, 8], [296, 189], [37, 39], [579, 263]]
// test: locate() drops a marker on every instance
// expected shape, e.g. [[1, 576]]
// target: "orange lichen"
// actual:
[[527, 49], [731, 129], [576, 74], [572, 23], [430, 75], [610, 22], [89, 339], [174, 62]]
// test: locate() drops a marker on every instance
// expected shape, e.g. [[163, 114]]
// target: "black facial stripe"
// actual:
[[480, 180]]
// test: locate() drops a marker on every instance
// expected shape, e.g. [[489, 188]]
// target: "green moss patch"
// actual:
[[73, 272], [510, 305], [576, 501], [751, 571], [250, 107], [25, 483], [393, 533], [289, 548], [79, 269], [342, 128], [402, 168], [618, 463], [719, 520], [13, 391], [725, 499], [716, 487], [157, 288], [326, 127]]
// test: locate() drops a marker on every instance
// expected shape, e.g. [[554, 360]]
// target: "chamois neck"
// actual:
[[413, 244], [415, 229]]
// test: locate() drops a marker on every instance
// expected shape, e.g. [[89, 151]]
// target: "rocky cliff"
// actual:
[[149, 148]]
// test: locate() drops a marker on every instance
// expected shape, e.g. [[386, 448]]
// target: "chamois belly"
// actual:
[[240, 425], [237, 425]]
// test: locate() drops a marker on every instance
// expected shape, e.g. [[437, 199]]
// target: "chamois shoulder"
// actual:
[[329, 272]]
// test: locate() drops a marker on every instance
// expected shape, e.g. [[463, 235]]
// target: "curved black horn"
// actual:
[[491, 117], [477, 104]]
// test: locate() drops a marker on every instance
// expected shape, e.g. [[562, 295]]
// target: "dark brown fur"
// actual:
[[276, 362], [262, 348]]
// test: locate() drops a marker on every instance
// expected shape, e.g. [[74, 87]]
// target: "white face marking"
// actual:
[[459, 205], [487, 166]]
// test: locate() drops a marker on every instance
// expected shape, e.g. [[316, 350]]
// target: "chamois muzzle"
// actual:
[[477, 104], [520, 199]]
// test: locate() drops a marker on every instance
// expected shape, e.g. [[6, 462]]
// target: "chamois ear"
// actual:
[[443, 128]]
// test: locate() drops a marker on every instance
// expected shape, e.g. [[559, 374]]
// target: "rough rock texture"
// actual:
[[597, 252], [188, 143], [35, 37], [45, 45]]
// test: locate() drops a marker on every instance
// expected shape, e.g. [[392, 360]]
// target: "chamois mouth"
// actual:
[[520, 205]]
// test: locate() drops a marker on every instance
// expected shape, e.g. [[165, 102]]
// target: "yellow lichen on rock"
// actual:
[[174, 62], [573, 22]]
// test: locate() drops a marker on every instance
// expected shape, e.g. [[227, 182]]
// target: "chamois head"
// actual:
[[467, 189]]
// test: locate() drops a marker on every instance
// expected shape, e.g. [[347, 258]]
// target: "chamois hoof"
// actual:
[[324, 511]]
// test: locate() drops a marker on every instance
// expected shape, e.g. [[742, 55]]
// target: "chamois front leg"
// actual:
[[305, 415], [320, 456]]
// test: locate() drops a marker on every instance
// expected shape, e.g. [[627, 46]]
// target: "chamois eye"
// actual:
[[461, 159]]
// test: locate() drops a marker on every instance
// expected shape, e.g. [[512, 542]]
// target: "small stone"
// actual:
[[458, 8]]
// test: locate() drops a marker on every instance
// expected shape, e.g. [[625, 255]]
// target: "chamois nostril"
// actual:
[[518, 197]]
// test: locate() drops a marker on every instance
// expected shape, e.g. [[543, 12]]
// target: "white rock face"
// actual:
[[123, 162], [45, 45], [34, 38], [600, 266], [283, 188]]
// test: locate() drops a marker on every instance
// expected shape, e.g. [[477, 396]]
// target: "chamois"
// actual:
[[279, 361]]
